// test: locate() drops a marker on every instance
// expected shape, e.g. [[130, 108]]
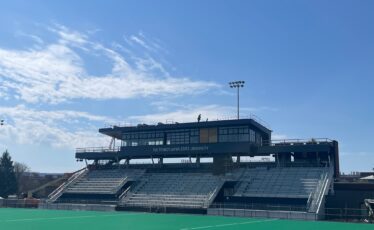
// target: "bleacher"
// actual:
[[184, 190], [103, 181], [286, 182], [300, 188]]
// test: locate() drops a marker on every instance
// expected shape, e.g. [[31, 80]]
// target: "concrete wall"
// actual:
[[78, 207]]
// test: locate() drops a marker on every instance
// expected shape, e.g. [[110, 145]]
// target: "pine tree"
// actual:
[[8, 182]]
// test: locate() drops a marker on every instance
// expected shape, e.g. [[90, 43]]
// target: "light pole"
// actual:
[[238, 85]]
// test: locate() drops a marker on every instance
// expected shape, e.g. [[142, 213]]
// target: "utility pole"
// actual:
[[237, 85]]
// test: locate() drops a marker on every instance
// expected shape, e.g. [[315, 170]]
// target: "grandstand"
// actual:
[[217, 178]]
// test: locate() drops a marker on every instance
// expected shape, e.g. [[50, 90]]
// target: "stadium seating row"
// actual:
[[279, 182], [184, 190], [103, 181]]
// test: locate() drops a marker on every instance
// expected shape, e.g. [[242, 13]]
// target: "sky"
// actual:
[[68, 68]]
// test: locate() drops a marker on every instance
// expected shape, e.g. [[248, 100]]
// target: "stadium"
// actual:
[[215, 174], [118, 114]]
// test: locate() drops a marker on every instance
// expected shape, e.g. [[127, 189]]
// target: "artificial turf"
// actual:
[[30, 219]]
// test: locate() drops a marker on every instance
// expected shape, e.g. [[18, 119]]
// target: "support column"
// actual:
[[238, 159]]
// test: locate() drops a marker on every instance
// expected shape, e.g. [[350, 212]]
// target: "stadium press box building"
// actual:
[[292, 183]]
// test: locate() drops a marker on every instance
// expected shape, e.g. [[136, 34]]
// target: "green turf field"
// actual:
[[25, 219]]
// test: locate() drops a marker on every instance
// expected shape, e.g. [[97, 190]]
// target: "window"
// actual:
[[178, 137], [213, 135], [142, 138], [208, 135], [233, 134], [252, 136], [204, 135], [258, 139], [194, 136]]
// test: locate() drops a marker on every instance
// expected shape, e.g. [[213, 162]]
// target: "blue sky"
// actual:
[[68, 68]]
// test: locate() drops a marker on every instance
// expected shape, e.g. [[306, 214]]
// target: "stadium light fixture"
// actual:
[[237, 85]]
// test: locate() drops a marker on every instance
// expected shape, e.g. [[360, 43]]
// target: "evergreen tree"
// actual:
[[8, 182]]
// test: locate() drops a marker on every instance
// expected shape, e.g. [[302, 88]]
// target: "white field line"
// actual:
[[230, 224], [69, 217]]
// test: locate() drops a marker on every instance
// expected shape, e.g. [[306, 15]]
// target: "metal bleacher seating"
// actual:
[[103, 181], [185, 190], [286, 182]]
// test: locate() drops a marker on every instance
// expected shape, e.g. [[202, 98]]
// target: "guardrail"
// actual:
[[171, 121], [258, 206], [315, 141], [97, 150]]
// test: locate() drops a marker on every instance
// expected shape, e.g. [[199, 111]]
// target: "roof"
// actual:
[[116, 131]]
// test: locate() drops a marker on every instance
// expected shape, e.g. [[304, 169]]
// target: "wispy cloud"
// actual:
[[149, 44], [56, 73], [141, 42], [61, 128], [33, 37]]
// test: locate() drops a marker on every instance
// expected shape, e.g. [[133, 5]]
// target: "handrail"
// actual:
[[314, 204], [327, 182], [123, 182], [54, 195], [317, 192], [124, 193], [308, 203], [214, 193]]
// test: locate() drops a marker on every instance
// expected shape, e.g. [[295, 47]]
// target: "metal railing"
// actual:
[[171, 121], [286, 142], [325, 189], [259, 206], [213, 194], [98, 149], [160, 204], [315, 199], [57, 192], [315, 141]]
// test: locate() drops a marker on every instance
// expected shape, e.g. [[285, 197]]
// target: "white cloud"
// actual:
[[56, 73], [278, 136], [62, 128], [189, 113]]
